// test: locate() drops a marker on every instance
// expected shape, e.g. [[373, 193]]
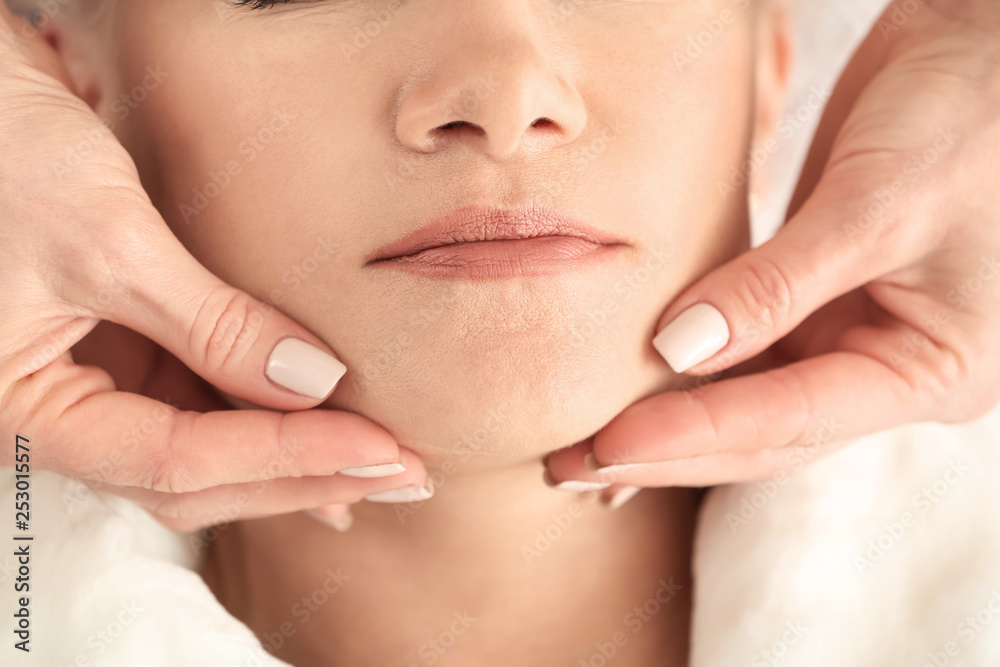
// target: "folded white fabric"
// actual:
[[111, 587], [884, 553]]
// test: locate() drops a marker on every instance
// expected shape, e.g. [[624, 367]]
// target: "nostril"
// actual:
[[453, 124], [542, 121]]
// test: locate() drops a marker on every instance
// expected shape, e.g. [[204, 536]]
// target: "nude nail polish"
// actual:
[[407, 494], [304, 368], [382, 470], [693, 337], [622, 496]]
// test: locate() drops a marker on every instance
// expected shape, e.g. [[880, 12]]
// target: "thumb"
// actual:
[[742, 307], [243, 346]]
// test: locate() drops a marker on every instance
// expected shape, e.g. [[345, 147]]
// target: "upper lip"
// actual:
[[488, 223]]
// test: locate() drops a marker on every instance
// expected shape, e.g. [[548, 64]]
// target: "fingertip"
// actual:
[[695, 336], [304, 368]]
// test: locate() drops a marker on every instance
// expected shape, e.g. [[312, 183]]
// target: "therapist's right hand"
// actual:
[[87, 245]]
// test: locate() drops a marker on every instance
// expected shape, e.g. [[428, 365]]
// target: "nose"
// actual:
[[492, 87]]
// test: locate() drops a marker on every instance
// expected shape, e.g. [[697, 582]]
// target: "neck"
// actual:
[[496, 568]]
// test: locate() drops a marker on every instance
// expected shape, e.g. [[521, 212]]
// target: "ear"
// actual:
[[773, 71], [66, 46]]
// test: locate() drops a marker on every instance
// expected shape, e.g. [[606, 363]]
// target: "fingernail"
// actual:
[[619, 468], [574, 485], [382, 470], [304, 368], [407, 494], [580, 486], [694, 336], [622, 496], [339, 519]]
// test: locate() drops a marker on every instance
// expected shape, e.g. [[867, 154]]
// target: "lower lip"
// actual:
[[544, 255]]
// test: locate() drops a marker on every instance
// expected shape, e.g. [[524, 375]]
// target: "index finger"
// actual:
[[81, 427], [831, 397]]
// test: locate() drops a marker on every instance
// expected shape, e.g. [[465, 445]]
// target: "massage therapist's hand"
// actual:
[[85, 245], [880, 297]]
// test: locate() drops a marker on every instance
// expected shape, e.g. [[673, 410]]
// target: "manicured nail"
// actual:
[[339, 519], [407, 494], [382, 470], [622, 496], [580, 486], [620, 468], [574, 485], [693, 337], [303, 368]]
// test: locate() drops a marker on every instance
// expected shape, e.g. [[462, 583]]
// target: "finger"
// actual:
[[715, 469], [243, 346], [565, 470], [743, 307], [698, 471], [828, 398], [240, 502], [89, 431]]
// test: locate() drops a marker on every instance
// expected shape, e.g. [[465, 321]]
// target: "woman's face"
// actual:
[[286, 145]]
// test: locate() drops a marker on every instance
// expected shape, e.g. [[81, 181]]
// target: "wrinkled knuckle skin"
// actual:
[[765, 295], [166, 473], [234, 324]]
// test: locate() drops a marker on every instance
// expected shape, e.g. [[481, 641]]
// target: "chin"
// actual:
[[516, 399]]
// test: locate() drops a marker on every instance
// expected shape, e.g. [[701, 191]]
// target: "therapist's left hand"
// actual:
[[877, 305]]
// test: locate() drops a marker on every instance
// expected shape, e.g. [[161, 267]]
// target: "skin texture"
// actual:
[[523, 363], [363, 147]]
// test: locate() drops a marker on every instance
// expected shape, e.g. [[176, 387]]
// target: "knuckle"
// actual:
[[764, 293], [232, 323], [166, 471], [794, 430]]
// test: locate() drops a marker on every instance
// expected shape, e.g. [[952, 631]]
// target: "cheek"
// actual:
[[244, 151], [281, 193]]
